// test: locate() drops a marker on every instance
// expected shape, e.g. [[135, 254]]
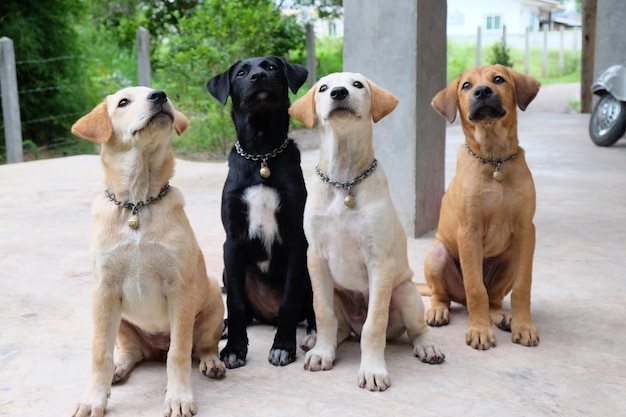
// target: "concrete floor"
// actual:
[[578, 302]]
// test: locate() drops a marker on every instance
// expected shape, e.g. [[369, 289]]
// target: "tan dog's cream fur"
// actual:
[[486, 238], [151, 289], [357, 257]]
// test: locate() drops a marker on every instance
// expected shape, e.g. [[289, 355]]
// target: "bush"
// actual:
[[500, 55]]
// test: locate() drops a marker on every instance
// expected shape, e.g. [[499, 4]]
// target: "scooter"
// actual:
[[608, 118]]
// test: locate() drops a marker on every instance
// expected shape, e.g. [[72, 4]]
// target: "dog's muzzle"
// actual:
[[485, 104], [340, 106]]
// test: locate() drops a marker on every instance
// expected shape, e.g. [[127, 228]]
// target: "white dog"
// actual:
[[152, 295], [357, 254]]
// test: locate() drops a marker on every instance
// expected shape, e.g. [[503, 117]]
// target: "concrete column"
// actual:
[[401, 46], [610, 42]]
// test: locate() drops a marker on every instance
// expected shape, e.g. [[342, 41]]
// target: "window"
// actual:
[[494, 23]]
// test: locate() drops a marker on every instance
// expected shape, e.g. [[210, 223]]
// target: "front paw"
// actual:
[[480, 337], [374, 379], [438, 316], [212, 367], [429, 353], [525, 334], [308, 342], [233, 357], [179, 407], [281, 357], [319, 359]]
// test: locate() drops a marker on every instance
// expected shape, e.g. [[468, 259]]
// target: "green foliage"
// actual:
[[500, 55], [461, 56], [52, 84], [329, 52]]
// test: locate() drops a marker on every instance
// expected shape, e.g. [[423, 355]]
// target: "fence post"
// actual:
[[562, 48], [479, 48], [143, 56], [10, 102], [527, 53], [311, 59], [544, 66]]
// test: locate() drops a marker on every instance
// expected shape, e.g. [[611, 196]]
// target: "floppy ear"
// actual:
[[526, 88], [219, 86], [296, 74], [445, 102], [180, 122], [383, 102], [303, 109], [95, 125]]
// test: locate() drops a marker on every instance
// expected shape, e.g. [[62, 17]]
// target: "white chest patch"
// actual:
[[263, 203]]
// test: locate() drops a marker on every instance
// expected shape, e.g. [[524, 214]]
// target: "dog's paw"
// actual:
[[438, 316], [179, 407], [308, 342], [91, 406], [429, 353], [480, 337], [212, 367], [525, 334], [319, 359], [374, 380], [233, 358], [281, 357], [502, 319]]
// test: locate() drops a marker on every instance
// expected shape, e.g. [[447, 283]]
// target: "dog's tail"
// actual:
[[423, 289]]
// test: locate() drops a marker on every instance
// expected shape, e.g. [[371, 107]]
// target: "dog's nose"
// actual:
[[483, 92], [157, 97], [260, 75], [339, 93]]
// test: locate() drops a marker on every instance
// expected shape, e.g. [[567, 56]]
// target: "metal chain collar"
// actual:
[[136, 206], [347, 185], [263, 157], [496, 162]]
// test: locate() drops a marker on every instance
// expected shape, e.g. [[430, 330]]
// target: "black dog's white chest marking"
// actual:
[[263, 204]]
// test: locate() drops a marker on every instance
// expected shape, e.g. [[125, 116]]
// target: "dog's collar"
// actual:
[[264, 171], [349, 201], [497, 174], [133, 219]]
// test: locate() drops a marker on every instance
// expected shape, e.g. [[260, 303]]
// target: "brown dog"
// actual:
[[486, 238], [152, 295]]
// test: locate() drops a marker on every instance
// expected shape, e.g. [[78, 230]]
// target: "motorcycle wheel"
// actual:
[[608, 121]]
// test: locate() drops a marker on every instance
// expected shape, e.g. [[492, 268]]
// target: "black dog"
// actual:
[[265, 272]]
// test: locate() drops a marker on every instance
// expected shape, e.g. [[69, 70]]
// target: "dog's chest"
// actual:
[[263, 203]]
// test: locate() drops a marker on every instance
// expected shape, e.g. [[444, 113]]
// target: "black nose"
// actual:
[[259, 75], [157, 97], [339, 93], [483, 92]]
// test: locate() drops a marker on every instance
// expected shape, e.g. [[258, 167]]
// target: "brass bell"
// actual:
[[265, 171], [133, 221], [497, 175], [349, 201]]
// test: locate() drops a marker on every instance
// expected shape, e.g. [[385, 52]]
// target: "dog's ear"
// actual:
[[180, 122], [303, 109], [219, 86], [95, 125], [296, 74], [526, 88], [445, 102], [383, 102]]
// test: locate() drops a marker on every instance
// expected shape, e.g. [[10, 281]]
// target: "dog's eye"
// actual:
[[323, 88], [123, 103], [241, 73], [466, 85], [358, 84], [271, 67], [498, 80]]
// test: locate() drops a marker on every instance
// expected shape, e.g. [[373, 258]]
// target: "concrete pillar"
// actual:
[[401, 46], [610, 42]]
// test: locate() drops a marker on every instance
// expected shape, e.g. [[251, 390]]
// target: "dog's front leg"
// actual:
[[373, 370], [479, 334], [107, 314], [322, 356], [523, 331], [179, 396], [234, 353]]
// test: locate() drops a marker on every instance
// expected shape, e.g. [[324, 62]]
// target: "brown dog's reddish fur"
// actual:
[[486, 238]]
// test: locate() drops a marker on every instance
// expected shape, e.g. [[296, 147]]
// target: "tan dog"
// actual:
[[151, 288], [357, 254], [486, 238]]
